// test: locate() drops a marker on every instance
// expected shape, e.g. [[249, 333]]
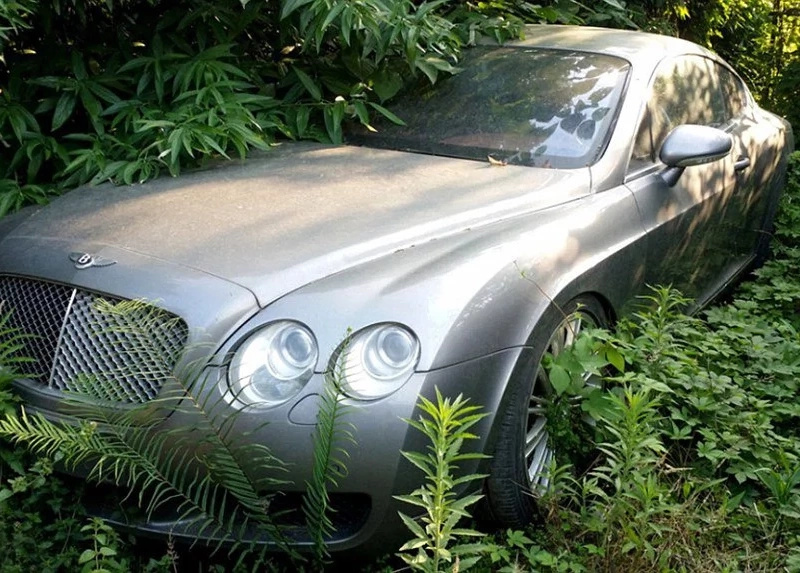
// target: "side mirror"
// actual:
[[688, 145]]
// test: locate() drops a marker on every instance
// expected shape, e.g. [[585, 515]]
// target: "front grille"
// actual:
[[75, 341]]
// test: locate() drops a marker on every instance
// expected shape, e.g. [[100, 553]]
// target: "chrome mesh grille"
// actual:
[[38, 310], [73, 339]]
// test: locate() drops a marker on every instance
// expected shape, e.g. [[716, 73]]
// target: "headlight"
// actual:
[[376, 361], [273, 364]]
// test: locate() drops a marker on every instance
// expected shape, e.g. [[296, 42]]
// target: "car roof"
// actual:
[[639, 48]]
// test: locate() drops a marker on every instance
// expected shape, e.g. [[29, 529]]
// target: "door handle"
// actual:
[[742, 163]]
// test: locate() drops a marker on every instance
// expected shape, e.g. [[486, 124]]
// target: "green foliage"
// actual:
[[103, 90], [514, 552], [436, 532], [201, 468], [697, 434], [102, 556], [14, 17], [697, 440], [329, 462], [39, 518], [758, 37], [97, 90], [777, 288]]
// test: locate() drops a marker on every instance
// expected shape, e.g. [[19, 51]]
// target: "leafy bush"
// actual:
[[123, 90], [776, 290]]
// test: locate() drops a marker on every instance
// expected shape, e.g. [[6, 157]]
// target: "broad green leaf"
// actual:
[[311, 87], [290, 6], [333, 121], [86, 556], [559, 379], [615, 358], [332, 15], [64, 109], [78, 66], [362, 113], [386, 84], [387, 114], [427, 68], [103, 92]]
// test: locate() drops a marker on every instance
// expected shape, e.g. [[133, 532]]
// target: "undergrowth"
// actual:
[[219, 488], [696, 461]]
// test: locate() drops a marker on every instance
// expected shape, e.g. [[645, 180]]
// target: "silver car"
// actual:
[[540, 189]]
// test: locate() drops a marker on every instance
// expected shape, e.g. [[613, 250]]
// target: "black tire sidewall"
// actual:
[[509, 500]]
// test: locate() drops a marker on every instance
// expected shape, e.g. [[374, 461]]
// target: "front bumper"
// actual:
[[367, 513]]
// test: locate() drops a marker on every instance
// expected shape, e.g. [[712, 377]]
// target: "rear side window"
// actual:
[[734, 91]]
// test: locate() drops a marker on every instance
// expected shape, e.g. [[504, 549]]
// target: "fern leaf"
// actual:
[[328, 466]]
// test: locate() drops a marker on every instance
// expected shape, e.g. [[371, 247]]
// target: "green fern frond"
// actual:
[[203, 478], [12, 345], [329, 461], [135, 458]]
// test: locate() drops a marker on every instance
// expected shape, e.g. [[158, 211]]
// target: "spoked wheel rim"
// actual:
[[538, 451]]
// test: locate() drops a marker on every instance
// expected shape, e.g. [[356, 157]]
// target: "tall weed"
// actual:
[[438, 532]]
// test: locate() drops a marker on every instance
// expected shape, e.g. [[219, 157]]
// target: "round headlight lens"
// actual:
[[273, 364], [376, 361]]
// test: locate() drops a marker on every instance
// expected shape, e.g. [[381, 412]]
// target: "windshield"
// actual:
[[516, 105]]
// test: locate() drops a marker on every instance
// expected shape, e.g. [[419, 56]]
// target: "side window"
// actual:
[[642, 154], [734, 92], [684, 90]]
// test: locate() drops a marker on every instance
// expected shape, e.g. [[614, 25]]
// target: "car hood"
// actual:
[[302, 212]]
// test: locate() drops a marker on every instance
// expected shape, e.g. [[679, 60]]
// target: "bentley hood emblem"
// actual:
[[86, 260]]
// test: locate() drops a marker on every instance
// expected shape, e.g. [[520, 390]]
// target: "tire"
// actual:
[[522, 452]]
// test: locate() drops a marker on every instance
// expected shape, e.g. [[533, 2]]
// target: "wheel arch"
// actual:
[[528, 358]]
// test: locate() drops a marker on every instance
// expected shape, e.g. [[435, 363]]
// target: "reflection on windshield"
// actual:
[[524, 106]]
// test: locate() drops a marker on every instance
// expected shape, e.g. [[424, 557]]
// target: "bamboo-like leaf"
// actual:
[[64, 109], [311, 86], [290, 6]]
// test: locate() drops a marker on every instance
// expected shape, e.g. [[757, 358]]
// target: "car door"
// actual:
[[757, 145], [688, 242]]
